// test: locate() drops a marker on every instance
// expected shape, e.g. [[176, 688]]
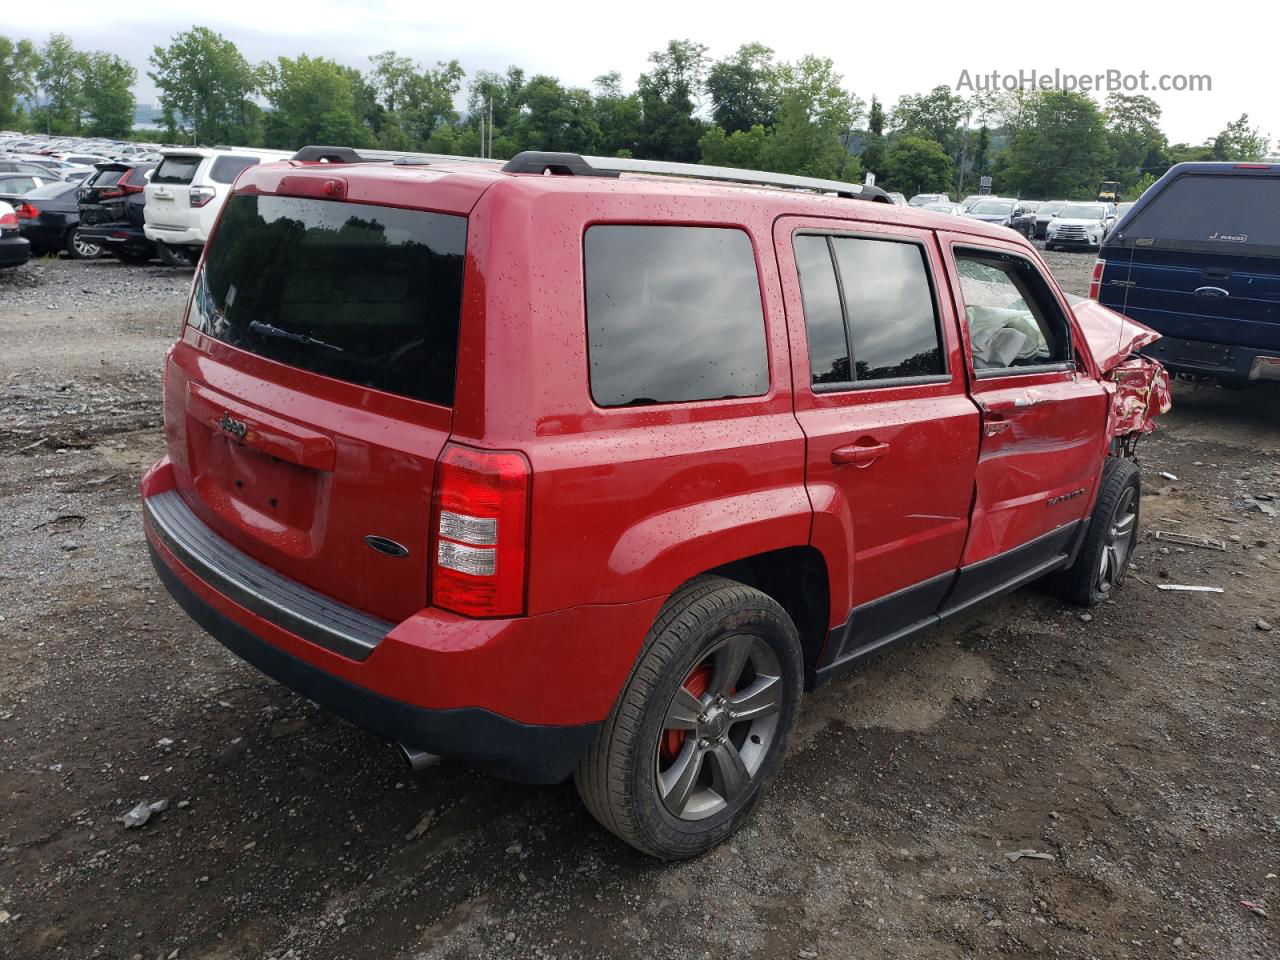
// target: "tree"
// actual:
[[557, 119], [668, 94], [915, 164], [805, 146], [59, 75], [1133, 131], [873, 154], [1239, 141], [417, 101], [619, 115], [936, 115], [206, 87], [743, 149], [982, 151], [17, 77], [744, 89], [1062, 149], [497, 97], [107, 94], [312, 102]]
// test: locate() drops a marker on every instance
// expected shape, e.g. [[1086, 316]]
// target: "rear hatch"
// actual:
[[104, 195], [169, 193], [1199, 259], [312, 391]]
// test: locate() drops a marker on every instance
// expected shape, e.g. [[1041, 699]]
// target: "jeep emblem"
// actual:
[[237, 428]]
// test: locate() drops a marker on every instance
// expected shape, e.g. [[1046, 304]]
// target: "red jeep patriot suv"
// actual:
[[586, 467]]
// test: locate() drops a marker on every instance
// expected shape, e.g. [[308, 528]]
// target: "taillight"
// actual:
[[481, 531], [199, 196], [27, 211], [8, 221], [1095, 281]]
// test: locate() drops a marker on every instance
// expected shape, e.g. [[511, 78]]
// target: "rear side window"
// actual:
[[176, 169], [1013, 319], [107, 178], [361, 293], [868, 309], [226, 169], [673, 315], [1212, 213]]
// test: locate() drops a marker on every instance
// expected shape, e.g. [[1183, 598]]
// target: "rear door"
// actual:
[[1043, 415], [169, 193], [891, 435], [312, 390], [102, 198], [1200, 260]]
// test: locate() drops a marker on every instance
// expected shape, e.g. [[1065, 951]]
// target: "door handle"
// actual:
[[1211, 292], [995, 425], [859, 454]]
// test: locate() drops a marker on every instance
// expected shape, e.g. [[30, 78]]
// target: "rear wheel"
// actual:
[[1103, 560], [702, 725], [78, 248], [177, 256]]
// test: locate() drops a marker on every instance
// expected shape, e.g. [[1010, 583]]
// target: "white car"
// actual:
[[186, 192], [1080, 225]]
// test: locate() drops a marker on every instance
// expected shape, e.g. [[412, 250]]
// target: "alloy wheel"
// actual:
[[718, 729], [84, 248], [1119, 541]]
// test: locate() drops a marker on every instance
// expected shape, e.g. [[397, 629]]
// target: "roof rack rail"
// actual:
[[321, 154], [572, 164]]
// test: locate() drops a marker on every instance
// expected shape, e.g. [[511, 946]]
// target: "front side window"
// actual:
[[868, 310], [673, 315], [1013, 319]]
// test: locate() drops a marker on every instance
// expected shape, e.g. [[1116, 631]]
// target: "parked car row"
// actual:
[[1060, 223]]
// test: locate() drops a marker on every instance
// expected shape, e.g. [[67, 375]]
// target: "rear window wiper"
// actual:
[[267, 330]]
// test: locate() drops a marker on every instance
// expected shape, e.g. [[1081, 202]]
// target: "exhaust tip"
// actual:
[[418, 760]]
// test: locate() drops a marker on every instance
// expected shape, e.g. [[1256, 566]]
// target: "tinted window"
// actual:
[[1216, 212], [226, 169], [673, 314], [1012, 317], [107, 178], [176, 170], [889, 303], [823, 316], [366, 294]]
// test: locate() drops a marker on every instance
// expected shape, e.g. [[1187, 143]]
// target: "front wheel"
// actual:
[[702, 725], [1103, 561]]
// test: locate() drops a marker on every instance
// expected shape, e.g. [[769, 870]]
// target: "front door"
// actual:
[[891, 434], [1043, 417]]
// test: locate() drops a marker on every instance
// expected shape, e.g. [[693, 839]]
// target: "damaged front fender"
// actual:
[[1139, 386]]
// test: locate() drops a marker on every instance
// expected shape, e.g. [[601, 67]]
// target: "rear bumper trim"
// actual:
[[1224, 360], [233, 573]]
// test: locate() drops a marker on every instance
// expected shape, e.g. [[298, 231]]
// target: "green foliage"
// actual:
[[916, 164], [743, 149], [668, 128], [936, 115], [206, 88], [1061, 150], [619, 115], [59, 76], [745, 89], [1239, 141], [873, 153], [17, 77], [416, 101], [312, 101], [1137, 144], [107, 94]]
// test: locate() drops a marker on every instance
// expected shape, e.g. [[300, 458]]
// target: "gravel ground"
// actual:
[[1136, 745]]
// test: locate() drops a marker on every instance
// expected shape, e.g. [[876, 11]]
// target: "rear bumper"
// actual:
[[1222, 360], [116, 235], [521, 698], [176, 236], [14, 251]]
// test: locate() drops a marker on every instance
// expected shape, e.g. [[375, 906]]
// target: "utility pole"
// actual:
[[964, 154], [491, 128]]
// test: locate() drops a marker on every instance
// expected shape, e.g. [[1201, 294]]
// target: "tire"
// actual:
[[78, 249], [176, 256], [1050, 246], [671, 718], [1113, 531]]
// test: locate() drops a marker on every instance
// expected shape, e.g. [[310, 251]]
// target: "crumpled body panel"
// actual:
[[1141, 395]]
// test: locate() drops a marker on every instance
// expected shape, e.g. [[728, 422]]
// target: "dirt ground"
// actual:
[[1138, 746]]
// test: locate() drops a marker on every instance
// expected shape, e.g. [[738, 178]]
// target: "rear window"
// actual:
[[366, 294], [107, 178], [51, 190], [176, 169], [1219, 214], [226, 169], [673, 315]]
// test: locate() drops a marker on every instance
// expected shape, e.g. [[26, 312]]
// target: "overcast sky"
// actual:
[[908, 48]]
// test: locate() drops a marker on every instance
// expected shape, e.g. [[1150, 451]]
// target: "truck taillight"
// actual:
[[1095, 281], [199, 196], [481, 527]]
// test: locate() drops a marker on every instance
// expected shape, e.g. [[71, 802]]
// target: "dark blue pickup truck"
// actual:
[[1198, 259]]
